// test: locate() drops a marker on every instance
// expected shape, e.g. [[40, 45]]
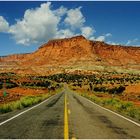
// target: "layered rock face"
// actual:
[[72, 54]]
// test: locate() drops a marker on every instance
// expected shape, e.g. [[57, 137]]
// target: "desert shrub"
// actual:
[[91, 87], [110, 101], [16, 105], [11, 85], [117, 90], [31, 100], [100, 89], [5, 108], [134, 112], [22, 103]]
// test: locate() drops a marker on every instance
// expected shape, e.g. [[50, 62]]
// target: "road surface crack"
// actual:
[[116, 129]]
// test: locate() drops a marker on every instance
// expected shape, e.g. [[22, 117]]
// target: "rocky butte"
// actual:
[[74, 55]]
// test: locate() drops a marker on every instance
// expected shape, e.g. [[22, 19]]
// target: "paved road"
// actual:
[[85, 120], [44, 121]]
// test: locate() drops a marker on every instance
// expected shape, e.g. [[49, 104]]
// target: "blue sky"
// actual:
[[24, 26]]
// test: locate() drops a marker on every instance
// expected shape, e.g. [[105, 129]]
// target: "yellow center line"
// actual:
[[69, 111], [66, 128]]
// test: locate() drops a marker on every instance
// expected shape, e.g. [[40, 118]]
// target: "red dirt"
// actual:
[[16, 93], [133, 89]]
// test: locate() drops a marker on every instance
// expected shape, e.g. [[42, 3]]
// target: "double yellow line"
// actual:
[[66, 126]]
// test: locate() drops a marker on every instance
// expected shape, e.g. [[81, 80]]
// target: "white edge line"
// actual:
[[26, 110], [112, 112]]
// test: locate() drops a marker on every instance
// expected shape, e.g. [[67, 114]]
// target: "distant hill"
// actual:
[[74, 55]]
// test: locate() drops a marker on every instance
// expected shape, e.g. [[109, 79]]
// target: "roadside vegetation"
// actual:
[[22, 103], [18, 91], [26, 101], [115, 104]]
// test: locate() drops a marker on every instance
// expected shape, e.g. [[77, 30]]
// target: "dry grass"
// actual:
[[26, 102]]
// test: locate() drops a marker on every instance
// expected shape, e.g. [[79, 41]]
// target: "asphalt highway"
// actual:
[[67, 115]]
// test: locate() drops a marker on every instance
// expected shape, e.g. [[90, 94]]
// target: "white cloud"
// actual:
[[112, 43], [87, 31], [92, 38], [75, 18], [132, 42], [61, 11], [64, 33], [37, 25], [40, 24], [108, 35], [4, 25], [102, 37]]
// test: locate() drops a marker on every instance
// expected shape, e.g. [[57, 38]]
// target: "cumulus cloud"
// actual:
[[40, 24], [64, 33], [75, 18], [87, 31], [102, 37], [61, 11], [37, 25], [4, 25]]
